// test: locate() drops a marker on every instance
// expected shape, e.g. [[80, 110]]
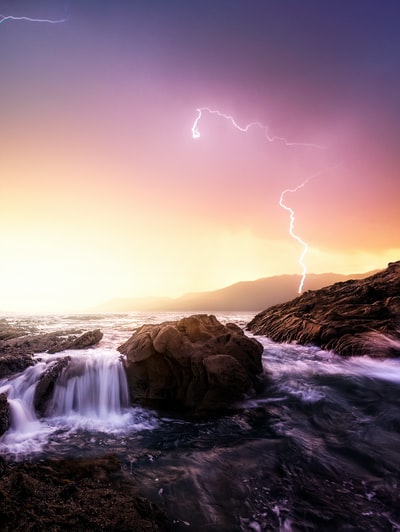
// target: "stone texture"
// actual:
[[352, 318], [4, 414], [82, 494], [195, 363], [85, 340], [49, 342], [14, 363], [45, 386]]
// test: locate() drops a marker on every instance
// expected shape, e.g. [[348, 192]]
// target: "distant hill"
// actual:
[[242, 296]]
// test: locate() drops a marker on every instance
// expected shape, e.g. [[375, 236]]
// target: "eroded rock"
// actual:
[[45, 386], [352, 317], [50, 342], [14, 363], [4, 414], [85, 340], [196, 363]]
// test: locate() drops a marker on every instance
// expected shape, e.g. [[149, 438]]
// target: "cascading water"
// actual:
[[318, 449], [90, 393], [91, 386], [20, 392]]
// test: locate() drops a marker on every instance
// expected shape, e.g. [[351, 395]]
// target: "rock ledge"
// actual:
[[360, 317]]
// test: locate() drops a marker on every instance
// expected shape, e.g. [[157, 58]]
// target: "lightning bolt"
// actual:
[[291, 231], [245, 129], [269, 138], [5, 18]]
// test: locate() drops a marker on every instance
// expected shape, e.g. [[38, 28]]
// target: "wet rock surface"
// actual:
[[195, 363], [16, 352], [352, 317], [50, 342], [45, 387], [85, 340], [74, 494], [14, 363], [4, 414]]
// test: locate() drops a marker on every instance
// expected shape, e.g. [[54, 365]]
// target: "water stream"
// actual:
[[319, 449]]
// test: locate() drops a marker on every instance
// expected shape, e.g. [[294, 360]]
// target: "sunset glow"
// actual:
[[105, 193]]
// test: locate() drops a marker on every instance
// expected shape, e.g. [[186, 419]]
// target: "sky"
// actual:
[[105, 193]]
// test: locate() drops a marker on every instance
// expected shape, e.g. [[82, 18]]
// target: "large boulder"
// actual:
[[355, 317], [196, 363]]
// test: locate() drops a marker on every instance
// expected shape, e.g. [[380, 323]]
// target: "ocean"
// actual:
[[318, 449]]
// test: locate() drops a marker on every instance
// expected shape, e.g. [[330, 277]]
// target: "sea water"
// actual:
[[318, 449]]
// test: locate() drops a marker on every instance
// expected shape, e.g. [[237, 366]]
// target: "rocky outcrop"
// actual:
[[352, 318], [90, 494], [45, 386], [195, 363], [14, 363], [49, 342], [87, 339], [16, 352], [4, 414]]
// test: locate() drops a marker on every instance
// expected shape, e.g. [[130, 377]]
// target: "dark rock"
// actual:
[[87, 339], [352, 318], [76, 494], [14, 363], [50, 342], [195, 363], [4, 414], [45, 386]]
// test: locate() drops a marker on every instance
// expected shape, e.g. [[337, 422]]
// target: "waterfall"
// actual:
[[91, 392], [20, 391], [92, 387]]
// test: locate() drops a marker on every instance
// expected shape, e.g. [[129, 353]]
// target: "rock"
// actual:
[[359, 317], [14, 363], [195, 363], [87, 339], [4, 414], [50, 342], [10, 330], [45, 386], [75, 494]]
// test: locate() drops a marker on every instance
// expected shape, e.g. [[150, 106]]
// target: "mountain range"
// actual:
[[242, 296]]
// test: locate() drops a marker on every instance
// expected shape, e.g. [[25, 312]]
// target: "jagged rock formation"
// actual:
[[354, 317], [195, 363]]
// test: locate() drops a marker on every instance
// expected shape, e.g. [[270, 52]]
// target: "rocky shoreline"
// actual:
[[74, 494], [359, 317], [194, 365]]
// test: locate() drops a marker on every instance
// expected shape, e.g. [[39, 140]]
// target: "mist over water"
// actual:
[[318, 449]]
